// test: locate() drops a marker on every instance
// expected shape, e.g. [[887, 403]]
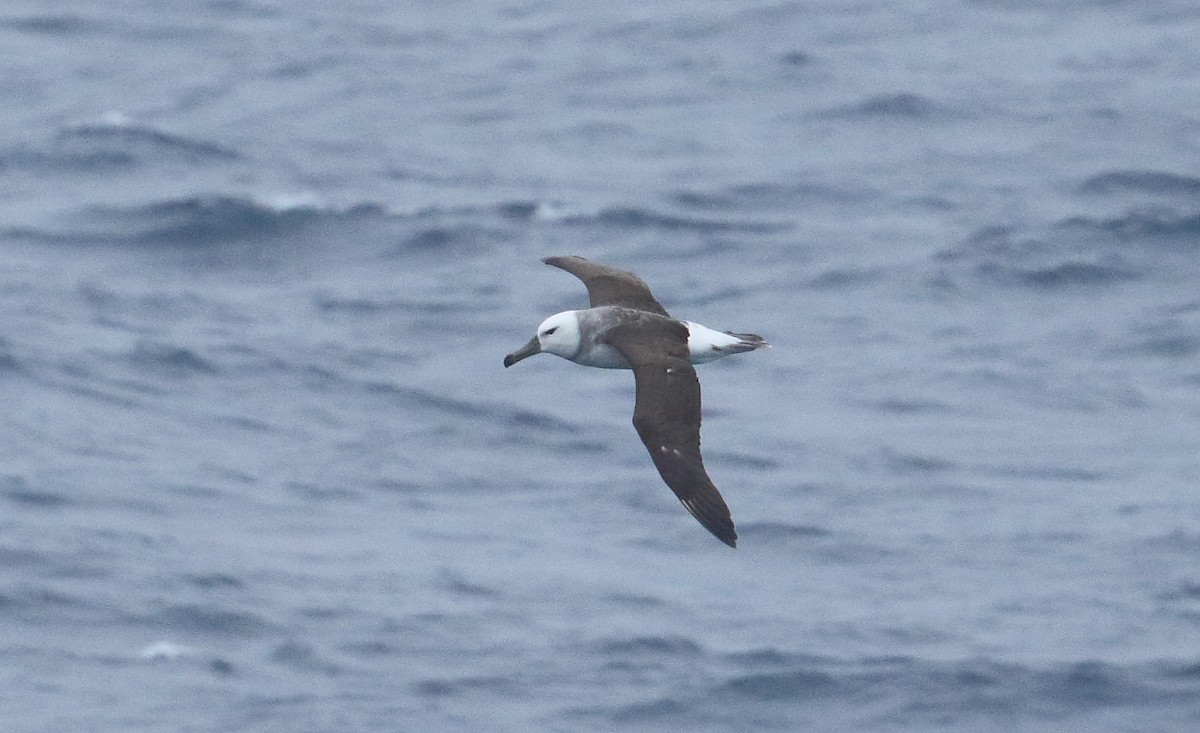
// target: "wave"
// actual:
[[59, 160], [210, 220], [8, 360], [784, 197], [1140, 181], [65, 24], [900, 105], [641, 218], [901, 691], [112, 145], [1082, 251], [505, 687], [657, 647], [135, 139], [208, 618], [16, 490], [634, 218], [195, 220], [162, 358]]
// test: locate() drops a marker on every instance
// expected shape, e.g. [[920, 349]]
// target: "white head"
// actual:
[[558, 335]]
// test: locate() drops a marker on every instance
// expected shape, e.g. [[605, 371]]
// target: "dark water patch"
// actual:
[[657, 647], [144, 313], [1186, 592], [1172, 340], [371, 649], [636, 218], [8, 359], [844, 277], [1178, 540], [144, 144], [225, 474], [769, 196], [905, 690], [12, 557], [525, 422], [398, 486], [207, 618], [639, 218], [898, 106], [631, 600], [64, 160], [1091, 684], [169, 360], [245, 422], [413, 397], [1055, 260], [218, 218], [65, 25], [16, 490], [903, 406], [522, 210], [769, 658], [191, 222], [791, 685], [908, 463], [853, 551], [1045, 473], [221, 667], [1056, 276], [1188, 671], [460, 586], [666, 711], [98, 394], [448, 237], [494, 686], [1139, 225], [318, 493], [1068, 274], [795, 58], [467, 229], [333, 304], [109, 148], [326, 613], [38, 603], [1151, 182], [214, 581], [303, 658], [540, 421]]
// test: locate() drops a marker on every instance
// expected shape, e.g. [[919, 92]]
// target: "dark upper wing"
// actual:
[[667, 416], [608, 285]]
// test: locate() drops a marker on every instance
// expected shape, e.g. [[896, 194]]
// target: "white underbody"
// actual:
[[704, 345]]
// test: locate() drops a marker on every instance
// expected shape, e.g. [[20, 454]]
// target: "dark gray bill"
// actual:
[[529, 349]]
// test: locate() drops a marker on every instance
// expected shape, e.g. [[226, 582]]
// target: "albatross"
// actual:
[[627, 328]]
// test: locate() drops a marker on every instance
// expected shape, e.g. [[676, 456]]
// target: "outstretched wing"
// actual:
[[666, 415], [608, 285]]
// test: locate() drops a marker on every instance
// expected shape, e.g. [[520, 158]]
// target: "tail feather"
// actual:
[[705, 344], [748, 342]]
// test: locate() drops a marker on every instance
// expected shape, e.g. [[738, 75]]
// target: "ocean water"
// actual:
[[261, 468]]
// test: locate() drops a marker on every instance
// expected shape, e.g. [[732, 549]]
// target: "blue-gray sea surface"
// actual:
[[261, 468]]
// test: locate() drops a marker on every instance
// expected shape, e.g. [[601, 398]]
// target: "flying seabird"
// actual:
[[626, 328]]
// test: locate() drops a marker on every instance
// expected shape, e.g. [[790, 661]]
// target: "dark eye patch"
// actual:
[[550, 331]]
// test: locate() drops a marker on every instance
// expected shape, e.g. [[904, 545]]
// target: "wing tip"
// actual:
[[554, 260], [720, 525], [728, 535]]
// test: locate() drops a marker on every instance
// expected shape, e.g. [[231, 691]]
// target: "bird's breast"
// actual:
[[602, 356]]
